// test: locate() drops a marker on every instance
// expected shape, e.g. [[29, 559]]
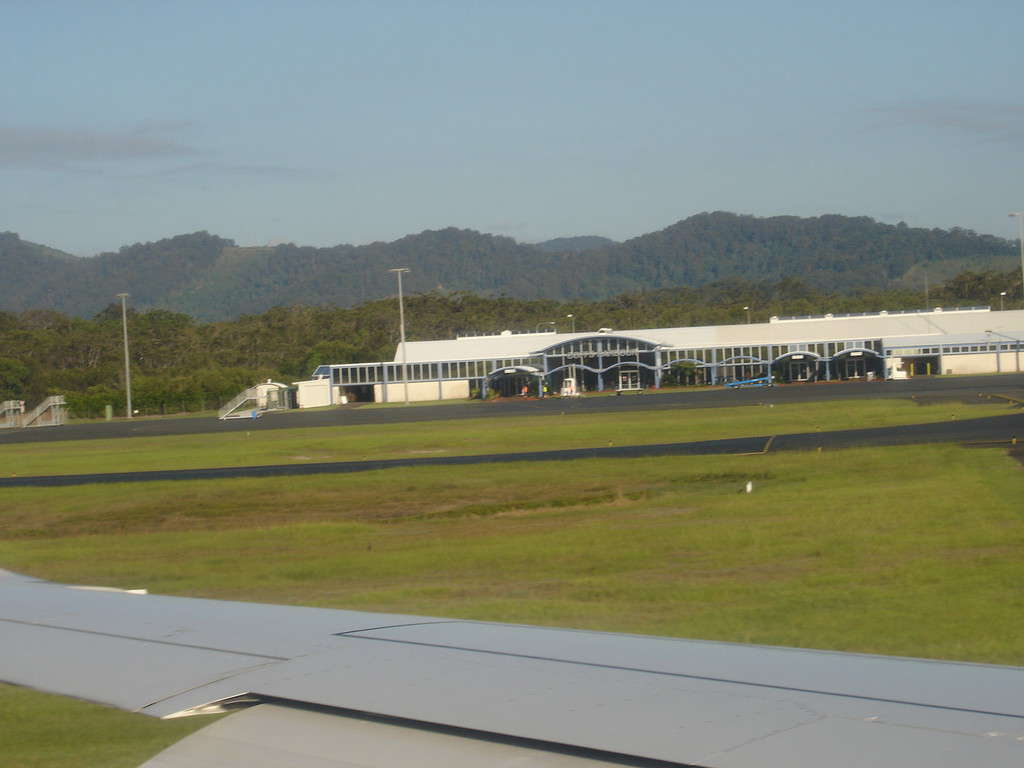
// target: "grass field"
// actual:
[[485, 435], [914, 550]]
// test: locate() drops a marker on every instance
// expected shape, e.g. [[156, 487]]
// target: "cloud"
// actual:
[[148, 150], [231, 169], [55, 148], [1002, 123]]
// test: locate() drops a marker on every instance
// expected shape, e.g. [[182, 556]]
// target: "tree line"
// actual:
[[180, 364]]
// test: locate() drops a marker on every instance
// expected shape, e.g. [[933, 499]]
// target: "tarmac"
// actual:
[[992, 430], [960, 388]]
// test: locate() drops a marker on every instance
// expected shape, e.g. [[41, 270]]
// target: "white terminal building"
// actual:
[[873, 345]]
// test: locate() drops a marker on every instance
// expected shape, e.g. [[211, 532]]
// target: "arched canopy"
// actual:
[[685, 361], [857, 352], [515, 369], [600, 344], [797, 355], [746, 360], [610, 366]]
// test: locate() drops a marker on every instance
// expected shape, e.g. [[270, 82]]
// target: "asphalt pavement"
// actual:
[[995, 430], [940, 387]]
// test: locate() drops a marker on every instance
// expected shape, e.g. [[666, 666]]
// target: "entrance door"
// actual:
[[853, 368], [629, 380], [800, 370]]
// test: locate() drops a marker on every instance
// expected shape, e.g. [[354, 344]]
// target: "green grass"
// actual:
[[838, 549], [912, 550], [469, 436], [41, 731]]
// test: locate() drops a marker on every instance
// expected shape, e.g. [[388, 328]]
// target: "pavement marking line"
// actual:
[[763, 451]]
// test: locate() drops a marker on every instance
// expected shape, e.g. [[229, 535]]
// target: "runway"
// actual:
[[992, 429], [939, 387]]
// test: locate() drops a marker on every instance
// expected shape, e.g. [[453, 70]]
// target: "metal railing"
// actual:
[[229, 411], [49, 413]]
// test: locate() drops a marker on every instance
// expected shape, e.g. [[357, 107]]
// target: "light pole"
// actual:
[[571, 317], [1020, 223], [127, 368], [747, 310], [1002, 295], [401, 325]]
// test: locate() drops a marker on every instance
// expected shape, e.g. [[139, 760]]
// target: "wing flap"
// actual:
[[269, 736]]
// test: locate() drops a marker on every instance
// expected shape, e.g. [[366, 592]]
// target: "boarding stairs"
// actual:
[[234, 407], [52, 412], [11, 412], [251, 402]]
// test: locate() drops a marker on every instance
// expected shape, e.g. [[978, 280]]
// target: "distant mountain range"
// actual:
[[211, 278]]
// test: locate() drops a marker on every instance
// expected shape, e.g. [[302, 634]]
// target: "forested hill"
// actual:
[[24, 263], [39, 278], [210, 278]]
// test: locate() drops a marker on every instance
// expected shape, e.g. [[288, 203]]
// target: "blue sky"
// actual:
[[348, 122]]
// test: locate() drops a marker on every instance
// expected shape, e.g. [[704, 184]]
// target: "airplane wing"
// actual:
[[318, 687]]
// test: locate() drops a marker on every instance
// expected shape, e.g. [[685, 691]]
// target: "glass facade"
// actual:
[[602, 360]]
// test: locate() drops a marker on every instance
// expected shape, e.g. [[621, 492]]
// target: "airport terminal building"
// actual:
[[785, 349]]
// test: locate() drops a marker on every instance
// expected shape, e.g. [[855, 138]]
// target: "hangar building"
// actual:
[[822, 347]]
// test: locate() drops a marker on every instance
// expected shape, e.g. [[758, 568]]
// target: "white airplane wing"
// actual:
[[318, 687]]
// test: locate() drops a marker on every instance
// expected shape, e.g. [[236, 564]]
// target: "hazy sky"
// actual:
[[330, 122]]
